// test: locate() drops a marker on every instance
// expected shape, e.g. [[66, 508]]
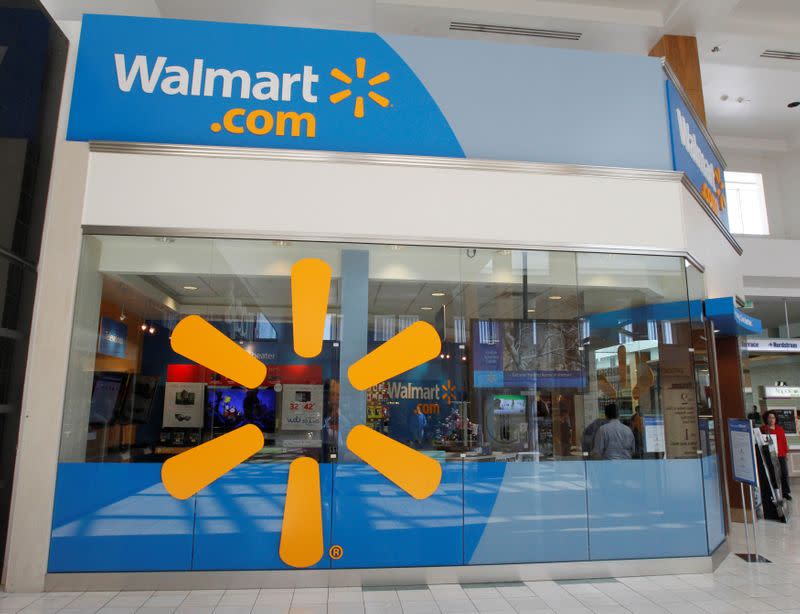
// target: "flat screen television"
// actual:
[[107, 392], [230, 407]]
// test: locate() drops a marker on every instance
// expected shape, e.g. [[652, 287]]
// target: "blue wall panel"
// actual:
[[118, 517], [715, 511], [379, 525], [645, 509], [239, 518], [525, 512]]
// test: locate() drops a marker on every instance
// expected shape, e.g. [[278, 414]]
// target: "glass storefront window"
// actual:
[[536, 345]]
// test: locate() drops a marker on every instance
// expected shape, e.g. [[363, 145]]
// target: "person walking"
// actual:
[[614, 440], [771, 427]]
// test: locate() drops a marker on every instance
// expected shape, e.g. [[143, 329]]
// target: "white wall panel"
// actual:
[[704, 241], [386, 202]]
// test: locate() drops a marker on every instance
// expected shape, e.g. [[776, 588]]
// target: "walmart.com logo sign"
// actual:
[[199, 80]]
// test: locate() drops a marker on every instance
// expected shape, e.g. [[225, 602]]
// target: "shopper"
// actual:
[[614, 440], [771, 427], [587, 439]]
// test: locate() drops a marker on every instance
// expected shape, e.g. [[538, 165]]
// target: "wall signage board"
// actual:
[[224, 84], [692, 154], [781, 392], [183, 405], [772, 346], [743, 460], [301, 407], [786, 418], [113, 338]]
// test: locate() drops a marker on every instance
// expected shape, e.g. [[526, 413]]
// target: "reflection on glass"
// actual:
[[535, 346]]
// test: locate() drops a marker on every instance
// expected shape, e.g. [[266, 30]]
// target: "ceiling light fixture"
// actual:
[[437, 293], [426, 308], [152, 330], [122, 315], [531, 310], [190, 287], [555, 297], [144, 325]]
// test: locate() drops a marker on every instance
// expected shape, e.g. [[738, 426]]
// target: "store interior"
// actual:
[[534, 345]]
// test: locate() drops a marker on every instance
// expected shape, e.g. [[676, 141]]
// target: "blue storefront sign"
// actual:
[[693, 154], [729, 319], [113, 338], [204, 83]]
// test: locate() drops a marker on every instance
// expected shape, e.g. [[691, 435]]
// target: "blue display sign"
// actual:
[[113, 338], [693, 154], [729, 319], [743, 458], [204, 83]]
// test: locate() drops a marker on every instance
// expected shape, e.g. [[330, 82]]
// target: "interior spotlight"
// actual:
[[152, 330], [144, 325]]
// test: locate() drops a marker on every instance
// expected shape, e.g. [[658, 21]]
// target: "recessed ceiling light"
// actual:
[[190, 287], [793, 104], [531, 310], [426, 308], [437, 293], [555, 297]]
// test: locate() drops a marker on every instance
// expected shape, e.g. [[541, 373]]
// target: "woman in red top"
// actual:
[[771, 427]]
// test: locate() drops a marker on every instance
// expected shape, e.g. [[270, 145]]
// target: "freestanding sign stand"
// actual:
[[743, 462]]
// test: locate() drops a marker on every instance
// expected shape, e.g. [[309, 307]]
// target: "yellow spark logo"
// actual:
[[302, 543], [448, 392], [361, 67]]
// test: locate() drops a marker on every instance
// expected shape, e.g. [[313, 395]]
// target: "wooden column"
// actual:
[[731, 390], [681, 53]]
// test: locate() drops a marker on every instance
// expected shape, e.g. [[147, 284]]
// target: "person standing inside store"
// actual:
[[587, 438], [771, 427], [614, 440]]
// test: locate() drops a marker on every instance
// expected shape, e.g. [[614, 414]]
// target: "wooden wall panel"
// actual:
[[681, 53]]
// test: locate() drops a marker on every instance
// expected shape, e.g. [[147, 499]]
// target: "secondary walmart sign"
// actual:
[[693, 155], [205, 83]]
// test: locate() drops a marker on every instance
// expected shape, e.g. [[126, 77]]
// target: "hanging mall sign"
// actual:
[[693, 154], [223, 84]]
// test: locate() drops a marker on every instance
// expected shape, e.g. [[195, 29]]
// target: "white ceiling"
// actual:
[[742, 29]]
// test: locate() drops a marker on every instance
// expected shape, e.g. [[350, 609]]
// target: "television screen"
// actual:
[[508, 404], [230, 407], [106, 396]]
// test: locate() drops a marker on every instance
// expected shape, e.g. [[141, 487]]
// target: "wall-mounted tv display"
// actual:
[[230, 407]]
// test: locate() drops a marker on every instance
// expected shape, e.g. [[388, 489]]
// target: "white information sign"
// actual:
[[654, 434], [743, 457], [780, 346]]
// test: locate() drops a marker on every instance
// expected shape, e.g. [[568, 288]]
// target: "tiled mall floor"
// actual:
[[735, 587]]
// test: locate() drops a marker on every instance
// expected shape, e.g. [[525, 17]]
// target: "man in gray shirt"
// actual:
[[613, 440]]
